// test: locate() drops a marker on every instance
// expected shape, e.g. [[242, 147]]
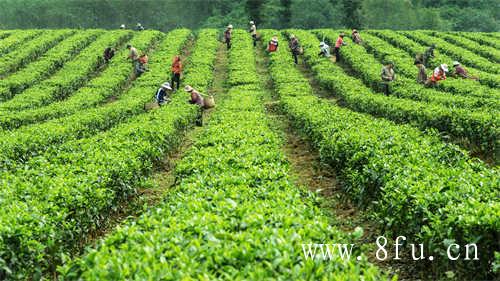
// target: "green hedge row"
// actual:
[[109, 83], [4, 34], [234, 214], [489, 73], [413, 183], [17, 37], [479, 130], [455, 86], [51, 209], [23, 143], [30, 51], [483, 39], [406, 85], [484, 51], [69, 78], [48, 63]]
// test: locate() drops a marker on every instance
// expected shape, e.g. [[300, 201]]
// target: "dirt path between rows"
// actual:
[[308, 171], [160, 183]]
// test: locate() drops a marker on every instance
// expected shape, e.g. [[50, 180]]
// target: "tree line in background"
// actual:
[[466, 15]]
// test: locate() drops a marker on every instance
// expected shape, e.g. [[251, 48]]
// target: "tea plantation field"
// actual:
[[80, 157]]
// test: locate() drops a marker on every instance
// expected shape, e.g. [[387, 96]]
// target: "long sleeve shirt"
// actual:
[[422, 75], [438, 74], [325, 50], [227, 34], [253, 29], [133, 54], [294, 45], [460, 71], [197, 98], [339, 42], [387, 74], [356, 38], [177, 66]]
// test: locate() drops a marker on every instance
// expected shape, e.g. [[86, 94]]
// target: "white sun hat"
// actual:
[[444, 67], [455, 63], [230, 26], [188, 88], [251, 22], [166, 85]]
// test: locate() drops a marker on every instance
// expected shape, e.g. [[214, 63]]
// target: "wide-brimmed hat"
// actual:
[[354, 30], [444, 67], [251, 22], [166, 85], [122, 26], [230, 26], [188, 88], [321, 44], [455, 63]]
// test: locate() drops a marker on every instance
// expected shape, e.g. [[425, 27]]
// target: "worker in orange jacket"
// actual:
[[438, 75], [176, 72]]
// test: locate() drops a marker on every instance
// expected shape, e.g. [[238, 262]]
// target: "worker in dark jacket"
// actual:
[[109, 53], [356, 38], [387, 76], [422, 74], [228, 36], [196, 98], [162, 94], [428, 55], [294, 48], [460, 71]]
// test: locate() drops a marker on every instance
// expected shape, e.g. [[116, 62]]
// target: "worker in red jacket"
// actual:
[[438, 75], [338, 44]]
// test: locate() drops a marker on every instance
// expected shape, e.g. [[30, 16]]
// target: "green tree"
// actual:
[[253, 7], [313, 14], [352, 15], [272, 15]]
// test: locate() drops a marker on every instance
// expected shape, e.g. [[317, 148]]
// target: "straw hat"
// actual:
[[166, 85], [188, 88], [455, 63], [444, 67], [230, 26]]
